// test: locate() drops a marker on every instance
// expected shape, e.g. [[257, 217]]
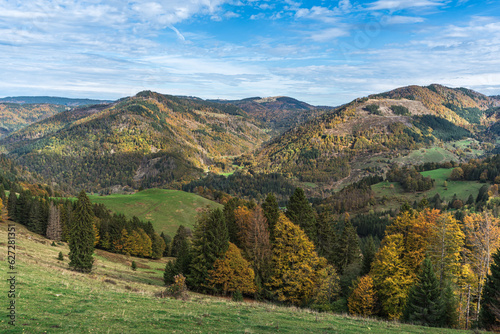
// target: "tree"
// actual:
[[181, 234], [295, 264], [363, 299], [81, 241], [54, 229], [482, 233], [326, 238], [11, 204], [369, 251], [158, 246], [181, 265], [391, 277], [301, 213], [232, 273], [424, 305], [328, 287], [489, 316], [346, 248], [271, 212], [210, 242]]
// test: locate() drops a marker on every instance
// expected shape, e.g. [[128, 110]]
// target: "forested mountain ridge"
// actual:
[[340, 144], [15, 116], [279, 112], [153, 138]]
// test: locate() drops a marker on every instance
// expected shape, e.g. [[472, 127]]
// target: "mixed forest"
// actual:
[[388, 206]]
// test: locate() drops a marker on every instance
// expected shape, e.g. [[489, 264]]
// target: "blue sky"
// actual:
[[321, 52]]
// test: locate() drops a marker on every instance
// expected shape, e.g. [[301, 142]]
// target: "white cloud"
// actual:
[[398, 19], [329, 34], [394, 5]]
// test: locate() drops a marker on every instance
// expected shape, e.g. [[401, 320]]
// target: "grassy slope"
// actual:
[[397, 196], [166, 209], [52, 299]]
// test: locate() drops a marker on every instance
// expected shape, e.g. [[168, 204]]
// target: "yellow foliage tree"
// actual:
[[296, 266], [391, 277], [363, 298], [232, 273]]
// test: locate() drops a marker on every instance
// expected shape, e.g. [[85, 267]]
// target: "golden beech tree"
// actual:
[[363, 298], [296, 266], [232, 273]]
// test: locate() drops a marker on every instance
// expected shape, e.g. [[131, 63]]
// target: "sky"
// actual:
[[320, 52]]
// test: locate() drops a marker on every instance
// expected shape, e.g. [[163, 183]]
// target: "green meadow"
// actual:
[[165, 208], [114, 299]]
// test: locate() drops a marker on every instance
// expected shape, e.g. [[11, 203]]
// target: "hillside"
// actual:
[[279, 112], [364, 136], [51, 100], [50, 298], [155, 139], [165, 209], [16, 116]]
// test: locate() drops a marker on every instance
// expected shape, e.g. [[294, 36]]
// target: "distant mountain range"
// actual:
[[51, 100], [153, 139]]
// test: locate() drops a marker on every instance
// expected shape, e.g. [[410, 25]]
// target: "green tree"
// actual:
[[181, 265], [11, 204], [301, 213], [181, 234], [424, 305], [489, 315], [210, 242], [271, 212], [81, 240], [346, 249]]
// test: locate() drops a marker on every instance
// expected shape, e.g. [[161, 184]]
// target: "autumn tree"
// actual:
[[158, 246], [295, 264], [328, 287], [482, 233], [232, 273], [362, 299], [81, 242]]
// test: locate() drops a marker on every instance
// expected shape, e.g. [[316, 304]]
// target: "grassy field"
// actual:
[[434, 154], [396, 195], [115, 299], [166, 209]]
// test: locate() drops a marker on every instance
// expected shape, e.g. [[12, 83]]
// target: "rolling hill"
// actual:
[[154, 139], [15, 116], [337, 148], [166, 209], [278, 112]]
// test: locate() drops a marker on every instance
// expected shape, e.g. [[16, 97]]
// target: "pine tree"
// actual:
[[81, 235], [424, 305], [369, 251], [326, 237], [301, 213], [181, 234], [347, 250], [489, 316]]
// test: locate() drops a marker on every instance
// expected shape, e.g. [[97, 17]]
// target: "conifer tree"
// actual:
[[210, 242], [271, 212], [230, 219], [424, 304], [301, 213], [54, 229], [347, 250], [181, 234], [81, 235], [11, 204], [489, 316], [326, 237], [158, 246], [369, 251]]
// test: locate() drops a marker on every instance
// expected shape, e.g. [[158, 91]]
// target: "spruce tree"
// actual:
[[326, 237], [301, 213], [210, 242], [346, 249], [181, 234], [369, 251], [11, 205], [271, 212], [424, 304], [489, 314], [81, 235]]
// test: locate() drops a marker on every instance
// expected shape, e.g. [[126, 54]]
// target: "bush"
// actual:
[[134, 266], [237, 296], [400, 110], [178, 289], [373, 109], [60, 257]]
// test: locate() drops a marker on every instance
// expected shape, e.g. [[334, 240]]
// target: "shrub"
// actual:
[[134, 266], [237, 296], [178, 289], [60, 257]]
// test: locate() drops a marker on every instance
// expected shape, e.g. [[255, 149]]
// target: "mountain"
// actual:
[[141, 141], [279, 112], [50, 100], [367, 135], [16, 116]]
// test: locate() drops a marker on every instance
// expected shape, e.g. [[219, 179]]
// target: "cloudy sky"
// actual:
[[321, 52]]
